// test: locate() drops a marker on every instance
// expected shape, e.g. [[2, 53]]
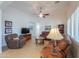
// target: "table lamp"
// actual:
[[55, 35]]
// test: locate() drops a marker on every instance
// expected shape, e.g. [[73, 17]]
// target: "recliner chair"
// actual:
[[14, 44]]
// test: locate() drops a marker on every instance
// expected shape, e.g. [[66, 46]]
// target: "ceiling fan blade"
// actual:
[[46, 14], [57, 2]]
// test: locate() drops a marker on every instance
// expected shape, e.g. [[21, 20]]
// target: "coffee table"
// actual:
[[39, 40]]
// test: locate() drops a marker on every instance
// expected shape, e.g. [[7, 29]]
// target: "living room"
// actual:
[[20, 17]]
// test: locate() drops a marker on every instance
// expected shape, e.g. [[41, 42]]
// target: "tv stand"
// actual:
[[27, 36]]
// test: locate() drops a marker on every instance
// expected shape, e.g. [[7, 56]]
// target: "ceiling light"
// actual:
[[41, 15]]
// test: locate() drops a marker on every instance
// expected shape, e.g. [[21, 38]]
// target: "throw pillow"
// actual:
[[16, 38]]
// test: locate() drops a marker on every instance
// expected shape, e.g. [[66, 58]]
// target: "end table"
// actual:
[[39, 40]]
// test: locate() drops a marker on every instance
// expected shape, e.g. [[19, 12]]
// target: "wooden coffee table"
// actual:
[[39, 40]]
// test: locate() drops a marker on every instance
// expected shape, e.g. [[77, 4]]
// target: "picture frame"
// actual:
[[8, 27], [8, 23], [8, 30], [48, 28]]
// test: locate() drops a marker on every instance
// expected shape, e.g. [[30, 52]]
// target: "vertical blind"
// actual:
[[73, 25]]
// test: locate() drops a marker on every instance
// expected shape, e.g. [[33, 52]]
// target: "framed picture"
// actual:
[[48, 28], [8, 27], [8, 23], [8, 30]]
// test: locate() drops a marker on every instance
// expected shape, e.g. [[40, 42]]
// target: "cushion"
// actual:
[[63, 44], [16, 38]]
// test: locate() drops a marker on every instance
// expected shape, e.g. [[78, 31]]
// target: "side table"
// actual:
[[39, 40]]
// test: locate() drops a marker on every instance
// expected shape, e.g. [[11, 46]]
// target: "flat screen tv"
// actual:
[[24, 30]]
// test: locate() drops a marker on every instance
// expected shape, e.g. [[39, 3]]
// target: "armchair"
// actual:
[[14, 43]]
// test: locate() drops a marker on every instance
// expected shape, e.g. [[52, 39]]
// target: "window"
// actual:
[[76, 26], [68, 27], [73, 25]]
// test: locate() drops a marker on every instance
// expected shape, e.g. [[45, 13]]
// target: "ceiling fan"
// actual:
[[43, 15]]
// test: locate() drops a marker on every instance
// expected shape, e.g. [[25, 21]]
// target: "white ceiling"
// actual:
[[32, 7], [4, 4]]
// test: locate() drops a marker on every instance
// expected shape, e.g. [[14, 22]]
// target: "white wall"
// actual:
[[21, 19], [72, 8], [0, 31]]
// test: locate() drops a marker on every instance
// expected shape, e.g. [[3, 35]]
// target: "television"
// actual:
[[25, 30]]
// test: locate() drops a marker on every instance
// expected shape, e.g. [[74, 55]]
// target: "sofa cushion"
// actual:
[[16, 38], [63, 44]]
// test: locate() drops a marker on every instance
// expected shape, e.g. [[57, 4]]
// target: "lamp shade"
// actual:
[[55, 34]]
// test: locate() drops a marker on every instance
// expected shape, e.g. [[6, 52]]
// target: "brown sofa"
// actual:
[[14, 41], [62, 49]]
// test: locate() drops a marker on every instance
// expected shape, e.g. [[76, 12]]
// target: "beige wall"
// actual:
[[72, 7], [75, 46]]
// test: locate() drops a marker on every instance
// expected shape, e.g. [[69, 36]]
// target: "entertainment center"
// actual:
[[27, 36]]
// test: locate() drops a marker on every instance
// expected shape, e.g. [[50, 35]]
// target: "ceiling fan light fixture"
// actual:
[[41, 15]]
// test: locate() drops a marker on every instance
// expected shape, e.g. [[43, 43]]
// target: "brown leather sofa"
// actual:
[[14, 41], [62, 50]]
